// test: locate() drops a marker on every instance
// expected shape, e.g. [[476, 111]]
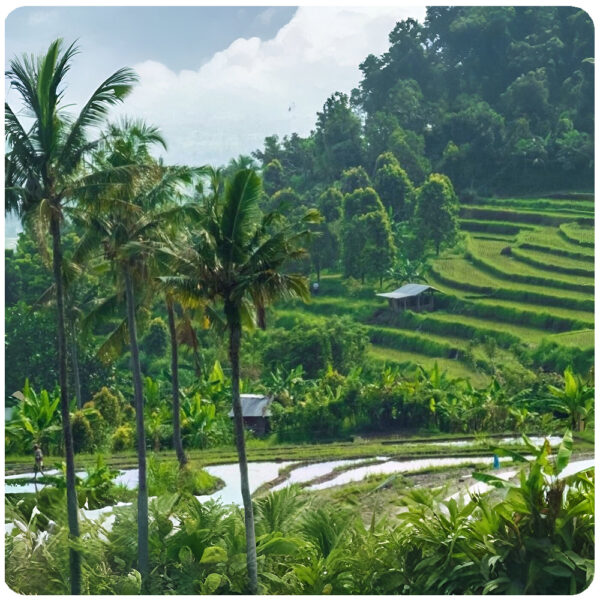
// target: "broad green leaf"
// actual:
[[564, 452], [211, 583], [214, 554], [287, 546], [493, 480]]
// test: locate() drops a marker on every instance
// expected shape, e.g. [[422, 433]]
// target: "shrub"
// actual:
[[83, 436], [123, 438], [340, 342], [108, 406], [551, 356], [128, 413], [168, 477]]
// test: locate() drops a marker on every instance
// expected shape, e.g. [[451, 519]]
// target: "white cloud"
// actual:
[[245, 92]]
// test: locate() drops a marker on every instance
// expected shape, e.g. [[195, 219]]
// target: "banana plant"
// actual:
[[36, 420], [576, 399]]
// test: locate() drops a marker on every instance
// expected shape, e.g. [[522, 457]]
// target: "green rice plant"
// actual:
[[578, 233], [483, 226], [556, 263], [487, 255], [450, 327], [582, 339], [402, 340], [521, 216], [542, 204], [550, 239], [503, 332], [511, 312], [499, 289], [498, 237]]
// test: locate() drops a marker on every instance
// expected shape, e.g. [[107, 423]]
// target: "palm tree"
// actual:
[[236, 260], [43, 172], [127, 222]]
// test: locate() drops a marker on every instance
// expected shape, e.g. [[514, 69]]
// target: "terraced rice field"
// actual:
[[555, 262], [578, 234], [542, 289], [549, 240]]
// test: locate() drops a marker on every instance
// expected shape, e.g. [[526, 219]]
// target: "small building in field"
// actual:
[[256, 412], [412, 296]]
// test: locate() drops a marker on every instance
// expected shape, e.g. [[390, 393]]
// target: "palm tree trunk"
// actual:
[[261, 317], [72, 506], [181, 457], [75, 364], [143, 552], [235, 335]]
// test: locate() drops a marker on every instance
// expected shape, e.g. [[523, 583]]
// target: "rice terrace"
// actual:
[[303, 306]]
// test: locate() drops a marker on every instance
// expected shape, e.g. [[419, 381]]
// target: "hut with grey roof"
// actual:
[[256, 411], [412, 296]]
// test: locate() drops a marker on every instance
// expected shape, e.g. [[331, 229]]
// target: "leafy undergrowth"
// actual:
[[533, 535]]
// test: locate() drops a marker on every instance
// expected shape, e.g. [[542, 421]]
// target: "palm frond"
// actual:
[[241, 213], [110, 92], [115, 344]]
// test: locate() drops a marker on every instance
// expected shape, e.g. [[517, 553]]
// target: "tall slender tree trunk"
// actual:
[[235, 335], [75, 363], [72, 506], [261, 317], [181, 457], [143, 552]]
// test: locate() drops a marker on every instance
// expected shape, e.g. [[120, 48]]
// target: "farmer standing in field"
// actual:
[[39, 461]]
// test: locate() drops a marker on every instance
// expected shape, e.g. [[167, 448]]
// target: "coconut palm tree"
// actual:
[[43, 172], [127, 222], [235, 260]]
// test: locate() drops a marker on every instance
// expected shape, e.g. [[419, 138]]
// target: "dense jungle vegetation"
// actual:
[[143, 299]]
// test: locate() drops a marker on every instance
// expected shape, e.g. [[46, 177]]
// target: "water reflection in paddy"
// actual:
[[314, 470], [396, 466], [258, 474]]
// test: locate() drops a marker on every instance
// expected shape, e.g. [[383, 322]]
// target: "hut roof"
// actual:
[[408, 290], [254, 405]]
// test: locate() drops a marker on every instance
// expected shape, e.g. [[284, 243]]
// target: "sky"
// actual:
[[215, 80]]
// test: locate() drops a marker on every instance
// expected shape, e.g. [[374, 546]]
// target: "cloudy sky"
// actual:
[[216, 80]]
